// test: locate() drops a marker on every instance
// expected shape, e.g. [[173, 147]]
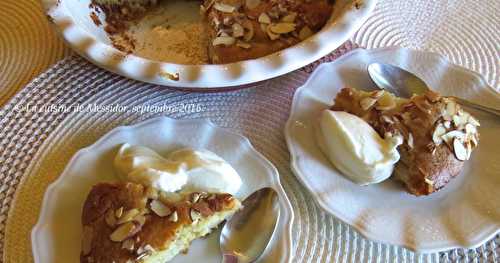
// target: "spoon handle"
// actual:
[[477, 106]]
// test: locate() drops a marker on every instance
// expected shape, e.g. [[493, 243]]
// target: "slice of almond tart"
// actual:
[[127, 222]]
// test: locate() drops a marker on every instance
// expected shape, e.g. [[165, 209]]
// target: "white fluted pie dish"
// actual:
[[57, 234], [464, 214], [72, 19]]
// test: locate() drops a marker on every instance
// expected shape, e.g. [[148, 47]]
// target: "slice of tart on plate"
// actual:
[[127, 222]]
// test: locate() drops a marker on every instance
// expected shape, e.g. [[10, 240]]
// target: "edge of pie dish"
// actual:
[[72, 20]]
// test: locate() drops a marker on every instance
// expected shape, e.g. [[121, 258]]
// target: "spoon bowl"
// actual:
[[405, 84], [246, 235]]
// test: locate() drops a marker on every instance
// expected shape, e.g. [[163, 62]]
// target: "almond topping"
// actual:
[[451, 108], [305, 32], [168, 197], [237, 30], [367, 103], [224, 8], [173, 217], [249, 32], [282, 28], [123, 232], [128, 244], [447, 124], [448, 137], [110, 218], [410, 140], [438, 132], [290, 18], [242, 44], [264, 19], [223, 40], [470, 129], [119, 212], [140, 219], [473, 121], [128, 215], [271, 35], [87, 236], [251, 4], [195, 197], [428, 181], [160, 209], [459, 149], [385, 118], [195, 216], [151, 193]]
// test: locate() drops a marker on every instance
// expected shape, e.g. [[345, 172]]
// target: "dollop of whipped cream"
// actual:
[[185, 170], [355, 148]]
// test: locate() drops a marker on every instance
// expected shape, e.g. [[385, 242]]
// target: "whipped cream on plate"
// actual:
[[182, 170], [355, 148]]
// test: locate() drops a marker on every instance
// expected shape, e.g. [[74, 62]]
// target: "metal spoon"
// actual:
[[404, 84], [247, 234]]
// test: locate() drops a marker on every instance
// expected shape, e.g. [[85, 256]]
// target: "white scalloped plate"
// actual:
[[56, 236], [463, 214], [72, 20]]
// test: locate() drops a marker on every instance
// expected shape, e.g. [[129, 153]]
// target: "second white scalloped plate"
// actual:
[[463, 214], [77, 28], [56, 237]]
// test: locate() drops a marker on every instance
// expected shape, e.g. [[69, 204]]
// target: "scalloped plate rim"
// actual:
[[479, 238], [276, 179]]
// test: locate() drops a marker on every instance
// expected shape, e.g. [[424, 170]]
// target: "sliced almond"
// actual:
[[242, 44], [428, 181], [140, 219], [438, 132], [128, 244], [459, 149], [459, 120], [386, 119], [367, 103], [169, 197], [195, 197], [473, 121], [123, 232], [119, 212], [249, 31], [377, 94], [447, 124], [110, 218], [270, 34], [173, 217], [290, 18], [282, 28], [160, 209], [238, 30], [251, 4], [469, 149], [305, 32], [474, 140], [450, 136], [87, 236], [128, 215], [223, 40], [410, 140], [151, 193], [224, 8], [385, 102], [264, 19], [470, 129], [195, 215], [451, 108]]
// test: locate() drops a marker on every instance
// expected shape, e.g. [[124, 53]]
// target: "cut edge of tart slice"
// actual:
[[127, 222]]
